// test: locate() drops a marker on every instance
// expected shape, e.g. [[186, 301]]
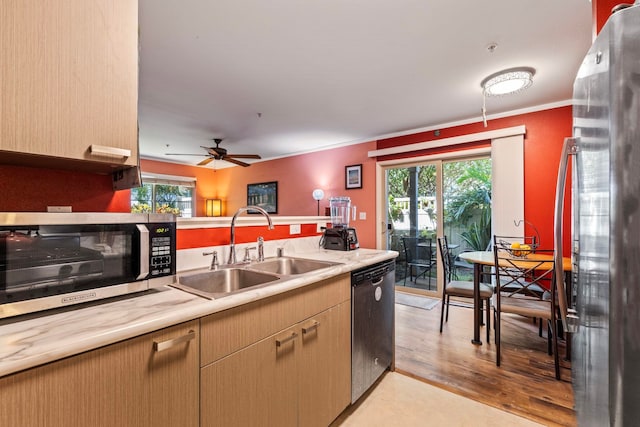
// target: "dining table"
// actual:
[[480, 259], [433, 245]]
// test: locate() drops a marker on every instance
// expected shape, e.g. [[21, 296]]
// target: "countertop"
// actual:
[[31, 340]]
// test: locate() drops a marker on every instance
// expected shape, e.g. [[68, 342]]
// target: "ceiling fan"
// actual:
[[217, 153]]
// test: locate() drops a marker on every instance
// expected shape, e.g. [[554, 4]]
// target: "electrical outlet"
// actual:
[[294, 229], [363, 215], [64, 209]]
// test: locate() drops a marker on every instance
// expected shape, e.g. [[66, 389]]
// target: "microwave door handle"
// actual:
[[144, 251], [568, 316]]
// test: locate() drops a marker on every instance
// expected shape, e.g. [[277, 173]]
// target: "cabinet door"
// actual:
[[69, 78], [256, 386], [173, 376], [124, 384], [325, 366]]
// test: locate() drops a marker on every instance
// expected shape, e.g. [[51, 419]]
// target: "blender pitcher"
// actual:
[[340, 211]]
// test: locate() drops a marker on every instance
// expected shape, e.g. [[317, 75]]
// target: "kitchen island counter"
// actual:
[[31, 340]]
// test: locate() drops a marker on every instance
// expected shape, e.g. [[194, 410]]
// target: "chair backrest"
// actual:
[[413, 252], [445, 256], [524, 275]]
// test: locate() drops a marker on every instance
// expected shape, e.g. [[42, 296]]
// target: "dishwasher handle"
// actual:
[[376, 282], [372, 275]]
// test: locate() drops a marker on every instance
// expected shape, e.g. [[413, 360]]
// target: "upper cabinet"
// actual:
[[69, 83]]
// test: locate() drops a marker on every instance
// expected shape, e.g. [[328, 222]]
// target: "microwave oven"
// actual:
[[50, 260]]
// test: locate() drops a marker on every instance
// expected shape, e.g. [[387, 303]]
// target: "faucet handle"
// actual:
[[260, 248], [247, 255], [214, 261]]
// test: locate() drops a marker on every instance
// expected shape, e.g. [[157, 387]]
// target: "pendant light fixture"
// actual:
[[505, 82]]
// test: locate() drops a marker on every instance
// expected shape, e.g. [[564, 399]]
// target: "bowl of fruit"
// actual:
[[520, 250]]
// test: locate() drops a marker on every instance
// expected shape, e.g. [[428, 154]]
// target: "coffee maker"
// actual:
[[340, 236]]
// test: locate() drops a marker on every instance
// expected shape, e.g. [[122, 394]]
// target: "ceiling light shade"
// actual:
[[507, 81]]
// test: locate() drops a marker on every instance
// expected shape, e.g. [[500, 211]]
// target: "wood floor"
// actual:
[[524, 384]]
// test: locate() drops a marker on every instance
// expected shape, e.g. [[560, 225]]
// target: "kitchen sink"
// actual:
[[223, 282], [288, 266]]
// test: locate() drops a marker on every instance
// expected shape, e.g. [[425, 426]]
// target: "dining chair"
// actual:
[[533, 242], [418, 252], [525, 285], [459, 288]]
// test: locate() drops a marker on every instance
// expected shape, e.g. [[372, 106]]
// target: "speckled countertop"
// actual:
[[32, 340]]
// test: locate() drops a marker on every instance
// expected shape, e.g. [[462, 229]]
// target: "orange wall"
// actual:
[[297, 177], [545, 133], [32, 189]]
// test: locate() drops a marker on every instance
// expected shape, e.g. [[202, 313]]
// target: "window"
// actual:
[[164, 194]]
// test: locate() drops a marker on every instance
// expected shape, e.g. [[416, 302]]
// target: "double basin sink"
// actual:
[[231, 280]]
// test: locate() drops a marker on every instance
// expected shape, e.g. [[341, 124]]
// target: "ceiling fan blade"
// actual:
[[237, 162], [183, 154], [244, 156], [206, 161]]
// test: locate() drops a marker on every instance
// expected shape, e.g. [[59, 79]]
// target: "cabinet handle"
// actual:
[[313, 327], [163, 345], [281, 342], [109, 151]]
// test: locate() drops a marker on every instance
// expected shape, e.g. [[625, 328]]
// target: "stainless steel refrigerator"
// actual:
[[605, 148]]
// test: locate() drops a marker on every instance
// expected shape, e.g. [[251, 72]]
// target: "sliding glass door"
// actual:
[[466, 194], [427, 200], [412, 225]]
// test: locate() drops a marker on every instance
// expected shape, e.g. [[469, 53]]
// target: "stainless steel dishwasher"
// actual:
[[372, 323]]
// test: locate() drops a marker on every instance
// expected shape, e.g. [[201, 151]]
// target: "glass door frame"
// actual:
[[439, 217], [436, 160]]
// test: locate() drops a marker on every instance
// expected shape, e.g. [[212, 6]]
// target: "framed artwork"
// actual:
[[353, 176], [264, 195]]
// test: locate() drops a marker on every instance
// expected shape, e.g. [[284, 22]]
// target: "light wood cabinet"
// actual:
[[281, 361], [137, 382], [324, 367], [69, 82], [288, 363]]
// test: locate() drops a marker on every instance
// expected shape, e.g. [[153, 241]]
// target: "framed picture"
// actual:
[[264, 195], [353, 176]]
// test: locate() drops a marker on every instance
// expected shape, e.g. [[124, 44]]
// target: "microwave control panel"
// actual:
[[162, 245]]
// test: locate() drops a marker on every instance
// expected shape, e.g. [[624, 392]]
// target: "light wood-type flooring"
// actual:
[[524, 384]]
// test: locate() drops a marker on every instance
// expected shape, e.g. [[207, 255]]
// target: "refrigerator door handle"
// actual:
[[568, 315]]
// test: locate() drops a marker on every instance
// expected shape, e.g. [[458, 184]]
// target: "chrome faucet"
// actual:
[[232, 246]]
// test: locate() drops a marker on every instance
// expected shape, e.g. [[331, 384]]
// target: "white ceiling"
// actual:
[[278, 77]]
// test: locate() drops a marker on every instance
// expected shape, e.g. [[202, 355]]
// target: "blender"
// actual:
[[340, 236]]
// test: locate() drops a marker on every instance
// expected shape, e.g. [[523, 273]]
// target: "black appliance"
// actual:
[[50, 260], [372, 323], [340, 239]]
